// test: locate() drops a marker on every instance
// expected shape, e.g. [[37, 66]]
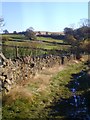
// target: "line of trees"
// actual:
[[79, 38]]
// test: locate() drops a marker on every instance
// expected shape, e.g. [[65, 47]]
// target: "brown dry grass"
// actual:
[[42, 79]]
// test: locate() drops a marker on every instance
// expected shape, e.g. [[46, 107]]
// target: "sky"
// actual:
[[42, 16]]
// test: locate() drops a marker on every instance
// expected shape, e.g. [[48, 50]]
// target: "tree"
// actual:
[[14, 32], [5, 31], [39, 33], [30, 34], [84, 22], [71, 39], [46, 33], [1, 25], [76, 37], [68, 31], [1, 22]]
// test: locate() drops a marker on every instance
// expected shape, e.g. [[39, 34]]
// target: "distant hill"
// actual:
[[48, 33]]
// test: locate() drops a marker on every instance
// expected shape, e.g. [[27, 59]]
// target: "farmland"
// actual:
[[48, 94], [41, 44]]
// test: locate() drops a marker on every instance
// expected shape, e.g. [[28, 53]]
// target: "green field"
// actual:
[[14, 36], [18, 37], [22, 43], [36, 44], [48, 39]]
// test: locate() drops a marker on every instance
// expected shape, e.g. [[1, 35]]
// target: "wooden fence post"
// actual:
[[16, 49]]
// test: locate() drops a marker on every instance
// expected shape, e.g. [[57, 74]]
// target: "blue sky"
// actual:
[[42, 16]]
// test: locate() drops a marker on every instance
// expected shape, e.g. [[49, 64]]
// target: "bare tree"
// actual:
[[72, 26], [1, 25], [1, 22], [84, 22]]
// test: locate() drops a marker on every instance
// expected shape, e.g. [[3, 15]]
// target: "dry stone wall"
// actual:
[[22, 69]]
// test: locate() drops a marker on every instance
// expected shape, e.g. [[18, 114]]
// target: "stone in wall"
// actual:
[[20, 70]]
